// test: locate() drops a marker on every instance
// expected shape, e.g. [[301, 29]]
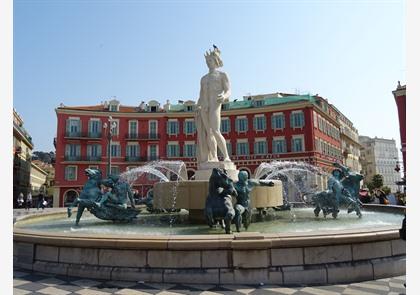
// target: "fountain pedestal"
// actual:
[[192, 194], [205, 169]]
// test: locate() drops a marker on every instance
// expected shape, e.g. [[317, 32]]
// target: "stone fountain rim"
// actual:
[[243, 240]]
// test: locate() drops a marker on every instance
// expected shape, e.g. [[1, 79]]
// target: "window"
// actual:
[[133, 151], [94, 152], [189, 150], [115, 150], [297, 120], [189, 108], [173, 128], [115, 170], [260, 147], [225, 106], [132, 129], [70, 173], [73, 127], [279, 146], [153, 129], [225, 125], [242, 148], [258, 103], [297, 144], [259, 123], [241, 124], [113, 107], [189, 127], [94, 128], [72, 152], [172, 150], [114, 130], [277, 121], [229, 148], [153, 155]]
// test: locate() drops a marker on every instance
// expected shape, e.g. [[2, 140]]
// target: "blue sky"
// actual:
[[83, 52]]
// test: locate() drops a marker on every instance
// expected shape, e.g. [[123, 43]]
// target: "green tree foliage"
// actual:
[[377, 181], [386, 190]]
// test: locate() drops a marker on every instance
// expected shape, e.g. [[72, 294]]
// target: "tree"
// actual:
[[46, 157], [377, 181], [386, 190]]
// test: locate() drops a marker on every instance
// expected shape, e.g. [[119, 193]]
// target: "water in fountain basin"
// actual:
[[157, 224]]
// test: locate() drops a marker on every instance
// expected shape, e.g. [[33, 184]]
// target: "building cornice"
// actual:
[[244, 111]]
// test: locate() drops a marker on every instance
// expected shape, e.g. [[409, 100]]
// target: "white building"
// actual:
[[379, 156]]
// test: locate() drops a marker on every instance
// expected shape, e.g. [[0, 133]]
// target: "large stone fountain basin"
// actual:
[[249, 257]]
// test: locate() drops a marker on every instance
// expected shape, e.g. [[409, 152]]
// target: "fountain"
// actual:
[[280, 247]]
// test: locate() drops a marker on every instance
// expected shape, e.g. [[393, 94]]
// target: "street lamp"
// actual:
[[112, 126]]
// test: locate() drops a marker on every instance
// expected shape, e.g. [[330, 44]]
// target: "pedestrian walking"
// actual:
[[28, 201], [20, 200], [41, 202]]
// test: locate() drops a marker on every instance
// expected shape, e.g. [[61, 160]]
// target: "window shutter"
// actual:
[[292, 123], [255, 123], [89, 150], [264, 124], [246, 124], [168, 125]]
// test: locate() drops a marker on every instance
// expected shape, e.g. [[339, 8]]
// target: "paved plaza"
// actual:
[[25, 282]]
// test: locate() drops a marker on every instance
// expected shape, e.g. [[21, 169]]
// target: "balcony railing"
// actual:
[[84, 159], [135, 159], [142, 136], [93, 158], [91, 135], [72, 158]]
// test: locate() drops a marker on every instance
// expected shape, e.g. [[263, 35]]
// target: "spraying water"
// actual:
[[298, 178], [163, 171]]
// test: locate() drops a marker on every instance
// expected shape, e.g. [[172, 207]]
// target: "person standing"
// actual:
[[20, 200], [28, 201], [41, 202]]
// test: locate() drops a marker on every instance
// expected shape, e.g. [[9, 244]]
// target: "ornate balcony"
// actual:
[[135, 159], [83, 135], [142, 136]]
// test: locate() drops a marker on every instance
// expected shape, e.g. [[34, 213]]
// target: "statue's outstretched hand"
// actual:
[[220, 98]]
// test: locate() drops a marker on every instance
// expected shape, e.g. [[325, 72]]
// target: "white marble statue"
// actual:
[[214, 90]]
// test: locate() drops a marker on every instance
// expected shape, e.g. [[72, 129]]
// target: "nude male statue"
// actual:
[[214, 90]]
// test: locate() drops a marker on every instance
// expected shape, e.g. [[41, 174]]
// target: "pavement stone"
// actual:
[[26, 282]]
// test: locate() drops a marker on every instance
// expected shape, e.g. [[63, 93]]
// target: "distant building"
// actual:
[[257, 129], [47, 187], [399, 96], [350, 145], [38, 179], [22, 153], [378, 156]]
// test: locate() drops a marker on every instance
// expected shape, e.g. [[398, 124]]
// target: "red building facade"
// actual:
[[400, 95], [258, 129]]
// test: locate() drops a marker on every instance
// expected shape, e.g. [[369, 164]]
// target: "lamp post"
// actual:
[[112, 125]]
